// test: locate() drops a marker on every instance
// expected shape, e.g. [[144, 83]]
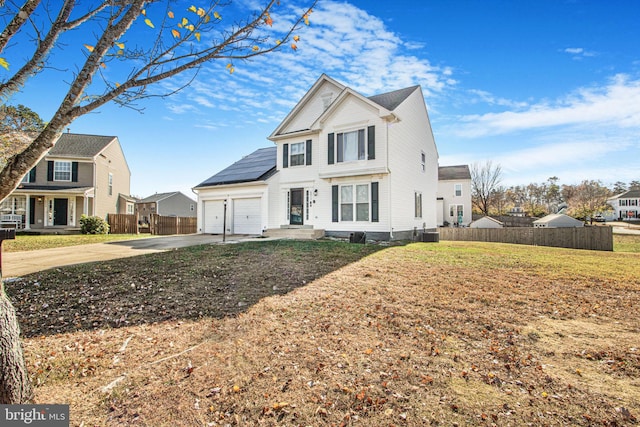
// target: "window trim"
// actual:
[[455, 190], [110, 184]]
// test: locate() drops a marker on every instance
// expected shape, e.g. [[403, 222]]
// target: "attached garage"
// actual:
[[247, 216], [213, 216]]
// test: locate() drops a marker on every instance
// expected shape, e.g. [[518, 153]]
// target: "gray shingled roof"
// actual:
[[391, 100], [631, 194], [446, 173], [79, 145], [257, 166], [157, 197]]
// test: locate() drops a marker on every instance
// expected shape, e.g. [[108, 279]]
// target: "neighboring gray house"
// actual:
[[166, 204], [486, 222], [454, 195], [557, 221]]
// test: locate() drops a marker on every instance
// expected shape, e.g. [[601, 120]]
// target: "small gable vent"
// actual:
[[327, 98]]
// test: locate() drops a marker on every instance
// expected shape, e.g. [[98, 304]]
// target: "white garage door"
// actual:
[[213, 216], [247, 216]]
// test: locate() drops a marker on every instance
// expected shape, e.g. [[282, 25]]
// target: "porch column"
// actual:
[[27, 212]]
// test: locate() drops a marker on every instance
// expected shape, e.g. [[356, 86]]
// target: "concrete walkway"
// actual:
[[16, 264]]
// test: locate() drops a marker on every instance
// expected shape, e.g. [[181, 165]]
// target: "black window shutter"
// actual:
[[32, 175], [308, 152], [340, 154], [334, 203], [374, 202], [331, 150], [285, 156], [371, 142], [74, 171], [50, 170]]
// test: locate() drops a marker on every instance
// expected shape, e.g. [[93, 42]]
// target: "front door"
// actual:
[[296, 206], [60, 211]]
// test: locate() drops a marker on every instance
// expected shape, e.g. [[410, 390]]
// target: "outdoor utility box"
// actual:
[[358, 237], [429, 236], [7, 234]]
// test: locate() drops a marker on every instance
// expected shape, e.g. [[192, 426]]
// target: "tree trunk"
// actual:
[[15, 387]]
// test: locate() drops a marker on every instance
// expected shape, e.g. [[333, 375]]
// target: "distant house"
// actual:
[[342, 163], [626, 206], [557, 221], [486, 222], [80, 174], [517, 211], [454, 195], [166, 204]]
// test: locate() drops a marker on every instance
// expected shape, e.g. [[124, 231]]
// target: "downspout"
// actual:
[[390, 210]]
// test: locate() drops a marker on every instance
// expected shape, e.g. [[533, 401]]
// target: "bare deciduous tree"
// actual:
[[177, 41], [485, 180]]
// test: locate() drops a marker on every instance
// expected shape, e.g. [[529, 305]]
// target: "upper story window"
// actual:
[[296, 154], [30, 177], [458, 189], [423, 161], [110, 184], [61, 171], [352, 146]]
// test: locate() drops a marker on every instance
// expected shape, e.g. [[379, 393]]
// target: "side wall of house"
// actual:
[[110, 161], [409, 138], [177, 205]]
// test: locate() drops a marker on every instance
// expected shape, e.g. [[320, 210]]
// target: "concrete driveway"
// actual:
[[16, 264]]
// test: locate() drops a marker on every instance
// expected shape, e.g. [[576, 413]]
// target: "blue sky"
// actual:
[[543, 88]]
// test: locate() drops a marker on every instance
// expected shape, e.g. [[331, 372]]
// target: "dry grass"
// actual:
[[427, 334]]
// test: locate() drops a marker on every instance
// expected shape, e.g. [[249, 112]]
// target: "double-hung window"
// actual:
[[418, 205], [297, 154], [458, 189], [110, 184], [352, 146], [62, 171], [354, 202]]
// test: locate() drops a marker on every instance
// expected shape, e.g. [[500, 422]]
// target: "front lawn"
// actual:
[[287, 333], [48, 241]]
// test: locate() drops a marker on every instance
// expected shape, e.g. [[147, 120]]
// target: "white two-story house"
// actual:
[[344, 163], [454, 195]]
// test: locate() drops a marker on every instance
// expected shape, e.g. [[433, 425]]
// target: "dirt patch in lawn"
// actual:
[[425, 334]]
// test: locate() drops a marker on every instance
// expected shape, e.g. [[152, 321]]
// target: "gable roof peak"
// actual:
[[391, 100]]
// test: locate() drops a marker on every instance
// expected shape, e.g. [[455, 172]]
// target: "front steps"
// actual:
[[294, 233]]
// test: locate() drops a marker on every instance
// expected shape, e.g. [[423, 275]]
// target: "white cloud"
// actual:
[[579, 52], [343, 41], [614, 105]]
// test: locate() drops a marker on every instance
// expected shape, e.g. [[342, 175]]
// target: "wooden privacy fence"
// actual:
[[123, 224], [159, 225], [165, 225], [592, 238]]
